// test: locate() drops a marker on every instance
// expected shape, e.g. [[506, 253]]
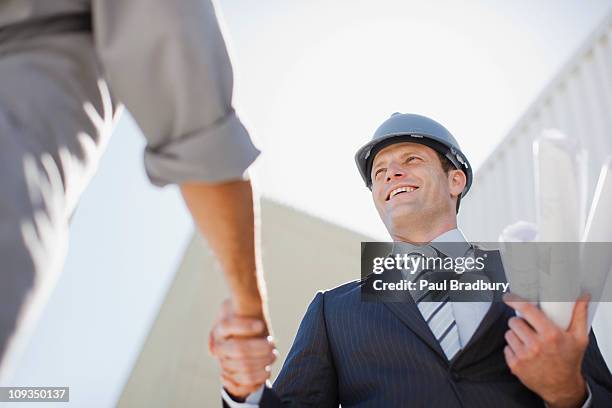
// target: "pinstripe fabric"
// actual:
[[375, 354]]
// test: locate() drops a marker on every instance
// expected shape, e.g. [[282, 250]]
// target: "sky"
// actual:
[[313, 81], [473, 67]]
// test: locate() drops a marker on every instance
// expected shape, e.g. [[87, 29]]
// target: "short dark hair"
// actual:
[[447, 166]]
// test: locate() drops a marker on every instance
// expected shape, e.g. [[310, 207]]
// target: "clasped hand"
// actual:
[[244, 351]]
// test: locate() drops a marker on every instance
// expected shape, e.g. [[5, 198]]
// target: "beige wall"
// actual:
[[301, 255]]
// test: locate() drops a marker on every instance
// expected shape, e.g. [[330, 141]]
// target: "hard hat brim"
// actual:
[[365, 155]]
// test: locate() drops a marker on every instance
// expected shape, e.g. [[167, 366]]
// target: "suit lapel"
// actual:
[[402, 305], [408, 314], [495, 272]]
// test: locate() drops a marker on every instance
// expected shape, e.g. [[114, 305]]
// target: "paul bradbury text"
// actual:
[[446, 285]]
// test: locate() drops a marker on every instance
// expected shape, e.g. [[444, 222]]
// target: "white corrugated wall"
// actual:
[[579, 103]]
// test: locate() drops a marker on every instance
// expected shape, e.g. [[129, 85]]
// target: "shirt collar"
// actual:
[[451, 243], [453, 235]]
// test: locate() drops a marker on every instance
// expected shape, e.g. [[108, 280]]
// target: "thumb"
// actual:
[[578, 324]]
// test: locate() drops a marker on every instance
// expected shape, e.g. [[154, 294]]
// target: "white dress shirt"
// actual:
[[468, 315]]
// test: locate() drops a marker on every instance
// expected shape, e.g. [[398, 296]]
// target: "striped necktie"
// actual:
[[438, 312], [440, 319]]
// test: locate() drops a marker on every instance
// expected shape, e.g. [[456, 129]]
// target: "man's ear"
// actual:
[[457, 181]]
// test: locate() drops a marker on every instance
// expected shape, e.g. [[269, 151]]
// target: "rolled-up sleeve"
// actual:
[[167, 62]]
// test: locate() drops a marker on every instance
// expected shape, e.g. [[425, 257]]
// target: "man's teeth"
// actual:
[[401, 190]]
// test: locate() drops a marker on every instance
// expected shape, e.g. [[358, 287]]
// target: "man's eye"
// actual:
[[379, 171], [410, 158]]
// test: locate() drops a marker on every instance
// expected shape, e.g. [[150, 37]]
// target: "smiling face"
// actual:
[[412, 191]]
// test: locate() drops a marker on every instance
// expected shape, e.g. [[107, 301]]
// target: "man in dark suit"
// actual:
[[355, 353]]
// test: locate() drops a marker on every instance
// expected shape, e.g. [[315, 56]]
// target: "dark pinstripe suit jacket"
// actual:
[[376, 354]]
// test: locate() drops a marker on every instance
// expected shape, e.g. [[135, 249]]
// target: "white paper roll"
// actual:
[[520, 261], [558, 194], [558, 203]]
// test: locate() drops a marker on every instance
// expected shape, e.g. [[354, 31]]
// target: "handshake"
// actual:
[[244, 349]]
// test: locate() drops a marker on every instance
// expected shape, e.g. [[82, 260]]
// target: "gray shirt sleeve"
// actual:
[[167, 62]]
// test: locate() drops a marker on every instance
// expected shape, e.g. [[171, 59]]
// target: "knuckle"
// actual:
[[237, 348], [230, 388], [239, 391], [518, 364], [243, 378], [536, 346], [249, 378], [223, 326], [228, 382], [228, 372], [243, 365], [227, 345], [230, 347], [512, 365], [553, 336], [221, 350], [240, 352], [225, 365]]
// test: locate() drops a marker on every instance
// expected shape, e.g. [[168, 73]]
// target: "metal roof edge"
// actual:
[[571, 64]]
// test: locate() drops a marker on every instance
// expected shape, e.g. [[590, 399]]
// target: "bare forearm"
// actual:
[[225, 215]]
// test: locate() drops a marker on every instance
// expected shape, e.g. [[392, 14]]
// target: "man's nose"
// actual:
[[394, 173]]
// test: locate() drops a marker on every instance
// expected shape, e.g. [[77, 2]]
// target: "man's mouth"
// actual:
[[401, 190]]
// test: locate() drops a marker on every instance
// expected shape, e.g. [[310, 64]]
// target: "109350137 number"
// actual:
[[34, 394]]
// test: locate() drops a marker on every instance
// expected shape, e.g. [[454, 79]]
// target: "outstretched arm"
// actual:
[[176, 80], [226, 216]]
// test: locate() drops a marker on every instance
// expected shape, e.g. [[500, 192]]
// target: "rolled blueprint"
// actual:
[[521, 260], [558, 202], [558, 193]]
